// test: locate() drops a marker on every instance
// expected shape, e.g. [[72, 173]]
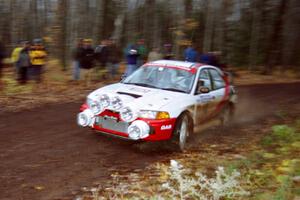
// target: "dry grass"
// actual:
[[244, 77]]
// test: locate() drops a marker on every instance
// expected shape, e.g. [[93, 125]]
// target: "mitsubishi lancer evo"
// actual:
[[162, 100]]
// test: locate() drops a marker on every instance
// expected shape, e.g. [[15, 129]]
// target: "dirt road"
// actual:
[[45, 155]]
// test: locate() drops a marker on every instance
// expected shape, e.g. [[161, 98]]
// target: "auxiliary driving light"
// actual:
[[127, 114], [116, 103], [104, 100], [138, 130], [85, 118], [95, 106]]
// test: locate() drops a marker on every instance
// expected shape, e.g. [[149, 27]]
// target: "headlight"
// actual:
[[138, 130], [85, 118], [149, 114], [104, 100], [116, 103], [128, 115], [95, 106]]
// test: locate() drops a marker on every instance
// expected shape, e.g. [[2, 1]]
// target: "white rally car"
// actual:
[[161, 100]]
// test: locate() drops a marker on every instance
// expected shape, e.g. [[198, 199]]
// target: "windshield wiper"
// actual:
[[142, 84], [174, 89]]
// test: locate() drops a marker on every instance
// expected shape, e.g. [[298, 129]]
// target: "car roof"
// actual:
[[189, 66], [174, 63]]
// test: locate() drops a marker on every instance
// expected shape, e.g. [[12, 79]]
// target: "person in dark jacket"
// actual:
[[76, 57], [142, 51], [102, 53], [131, 57], [167, 52], [2, 56], [190, 54], [24, 62], [205, 58], [113, 59], [211, 58], [86, 60]]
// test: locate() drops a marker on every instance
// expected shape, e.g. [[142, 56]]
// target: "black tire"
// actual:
[[183, 129]]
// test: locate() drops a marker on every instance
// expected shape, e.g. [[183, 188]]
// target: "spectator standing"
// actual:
[[15, 56], [114, 55], [38, 57], [211, 58], [24, 62], [142, 52], [2, 56], [131, 57], [168, 53], [215, 58], [76, 56], [205, 58], [101, 53], [154, 55], [87, 61], [101, 56], [190, 54]]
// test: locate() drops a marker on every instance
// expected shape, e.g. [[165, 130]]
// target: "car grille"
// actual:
[[111, 123]]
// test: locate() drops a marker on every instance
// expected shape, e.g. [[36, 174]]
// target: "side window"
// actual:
[[217, 79], [205, 78]]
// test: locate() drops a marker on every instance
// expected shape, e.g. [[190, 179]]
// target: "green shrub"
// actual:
[[283, 133], [267, 141], [297, 125], [284, 191]]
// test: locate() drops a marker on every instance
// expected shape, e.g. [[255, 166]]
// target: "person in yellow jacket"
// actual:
[[38, 56], [15, 55]]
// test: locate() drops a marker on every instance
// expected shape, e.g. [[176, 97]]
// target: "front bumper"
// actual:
[[109, 122]]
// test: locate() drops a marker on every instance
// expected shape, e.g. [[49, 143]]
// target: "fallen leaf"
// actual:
[[38, 187], [269, 155]]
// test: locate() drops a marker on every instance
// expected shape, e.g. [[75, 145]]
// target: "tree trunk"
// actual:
[[209, 26], [274, 53], [255, 33], [34, 19], [62, 17], [98, 21]]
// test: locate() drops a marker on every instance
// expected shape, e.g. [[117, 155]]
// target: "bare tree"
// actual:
[[248, 32], [209, 26], [62, 24], [274, 53], [257, 9]]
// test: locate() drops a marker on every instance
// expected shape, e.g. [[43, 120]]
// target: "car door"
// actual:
[[218, 91], [203, 105]]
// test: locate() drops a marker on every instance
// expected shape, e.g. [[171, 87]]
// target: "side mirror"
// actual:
[[122, 78], [201, 89]]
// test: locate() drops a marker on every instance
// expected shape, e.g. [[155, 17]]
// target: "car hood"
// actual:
[[140, 97]]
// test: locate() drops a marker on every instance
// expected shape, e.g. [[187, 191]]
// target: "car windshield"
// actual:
[[178, 80]]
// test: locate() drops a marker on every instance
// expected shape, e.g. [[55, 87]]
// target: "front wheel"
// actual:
[[182, 131]]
